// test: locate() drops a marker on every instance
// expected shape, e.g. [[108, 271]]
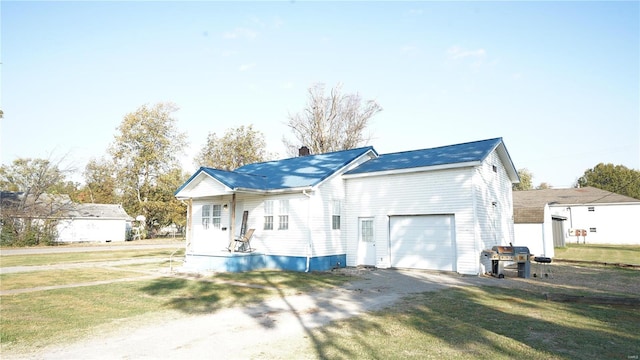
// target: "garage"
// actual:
[[422, 242]]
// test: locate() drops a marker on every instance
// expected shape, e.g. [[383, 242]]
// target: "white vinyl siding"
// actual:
[[465, 193], [420, 193]]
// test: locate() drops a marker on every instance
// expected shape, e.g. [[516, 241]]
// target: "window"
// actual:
[[268, 215], [215, 216], [366, 229], [283, 215], [206, 213], [335, 217], [211, 216], [494, 168]]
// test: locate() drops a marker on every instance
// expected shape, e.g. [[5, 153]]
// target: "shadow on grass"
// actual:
[[483, 322], [482, 318]]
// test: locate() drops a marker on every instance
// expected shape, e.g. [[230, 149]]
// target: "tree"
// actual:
[[526, 178], [238, 147], [34, 177], [144, 152], [29, 208], [543, 186], [100, 183], [331, 123], [615, 178]]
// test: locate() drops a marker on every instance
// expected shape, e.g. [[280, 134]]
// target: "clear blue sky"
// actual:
[[558, 81]]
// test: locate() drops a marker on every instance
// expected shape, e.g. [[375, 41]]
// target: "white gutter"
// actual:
[[309, 240]]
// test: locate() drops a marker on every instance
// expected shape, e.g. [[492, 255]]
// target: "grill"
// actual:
[[503, 255], [542, 267]]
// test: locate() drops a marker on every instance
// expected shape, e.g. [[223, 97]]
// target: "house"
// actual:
[[94, 223], [434, 209], [577, 215], [72, 222]]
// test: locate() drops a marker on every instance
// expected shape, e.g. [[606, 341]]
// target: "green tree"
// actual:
[[615, 178], [331, 123], [99, 183], [238, 147], [145, 151], [526, 178]]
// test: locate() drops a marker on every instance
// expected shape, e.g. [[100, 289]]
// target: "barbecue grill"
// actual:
[[504, 255]]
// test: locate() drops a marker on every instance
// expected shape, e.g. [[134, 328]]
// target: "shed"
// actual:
[[556, 217]]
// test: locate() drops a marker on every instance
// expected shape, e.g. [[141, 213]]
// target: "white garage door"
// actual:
[[423, 242]]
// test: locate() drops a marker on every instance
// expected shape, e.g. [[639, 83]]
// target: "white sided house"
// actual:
[[426, 209], [556, 217], [93, 223]]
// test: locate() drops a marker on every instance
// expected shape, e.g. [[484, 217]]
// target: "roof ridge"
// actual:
[[443, 146]]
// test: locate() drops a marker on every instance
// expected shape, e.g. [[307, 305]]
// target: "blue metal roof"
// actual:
[[289, 173], [451, 154]]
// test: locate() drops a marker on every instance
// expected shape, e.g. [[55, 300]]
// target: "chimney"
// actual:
[[303, 151]]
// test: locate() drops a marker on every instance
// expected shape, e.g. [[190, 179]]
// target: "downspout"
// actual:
[[309, 242]]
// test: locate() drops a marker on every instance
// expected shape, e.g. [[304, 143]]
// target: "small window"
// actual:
[[495, 168], [335, 217], [211, 216], [592, 229], [591, 208], [268, 215], [283, 215]]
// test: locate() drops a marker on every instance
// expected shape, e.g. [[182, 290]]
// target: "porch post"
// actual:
[[233, 223]]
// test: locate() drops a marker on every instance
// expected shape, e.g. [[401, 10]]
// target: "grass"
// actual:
[[33, 279], [611, 254], [41, 318], [482, 323], [82, 257], [463, 323]]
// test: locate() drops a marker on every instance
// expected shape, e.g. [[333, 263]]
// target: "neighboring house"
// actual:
[[426, 209], [559, 216], [94, 223], [73, 222]]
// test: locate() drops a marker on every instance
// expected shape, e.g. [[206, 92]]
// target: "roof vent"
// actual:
[[303, 151]]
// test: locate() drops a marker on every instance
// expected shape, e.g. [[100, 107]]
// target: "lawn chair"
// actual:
[[243, 243]]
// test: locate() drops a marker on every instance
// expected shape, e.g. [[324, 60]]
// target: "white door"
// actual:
[[423, 242], [366, 242]]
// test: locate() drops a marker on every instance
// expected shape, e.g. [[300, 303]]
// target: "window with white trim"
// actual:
[[211, 216], [283, 215], [335, 215], [268, 215]]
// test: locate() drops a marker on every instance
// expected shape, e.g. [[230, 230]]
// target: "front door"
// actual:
[[366, 242]]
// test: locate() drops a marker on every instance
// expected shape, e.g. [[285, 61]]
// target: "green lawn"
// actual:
[[466, 323], [612, 254], [81, 257]]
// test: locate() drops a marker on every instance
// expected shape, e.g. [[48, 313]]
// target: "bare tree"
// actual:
[[331, 123]]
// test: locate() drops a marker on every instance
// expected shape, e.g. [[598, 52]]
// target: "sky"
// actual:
[[558, 81]]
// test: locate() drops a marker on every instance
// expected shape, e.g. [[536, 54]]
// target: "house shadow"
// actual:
[[476, 316]]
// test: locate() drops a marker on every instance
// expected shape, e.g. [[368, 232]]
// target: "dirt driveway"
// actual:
[[271, 329]]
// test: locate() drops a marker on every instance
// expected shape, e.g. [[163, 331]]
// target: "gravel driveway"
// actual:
[[271, 329]]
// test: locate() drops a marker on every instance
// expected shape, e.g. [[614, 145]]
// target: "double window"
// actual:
[[281, 208], [211, 216]]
